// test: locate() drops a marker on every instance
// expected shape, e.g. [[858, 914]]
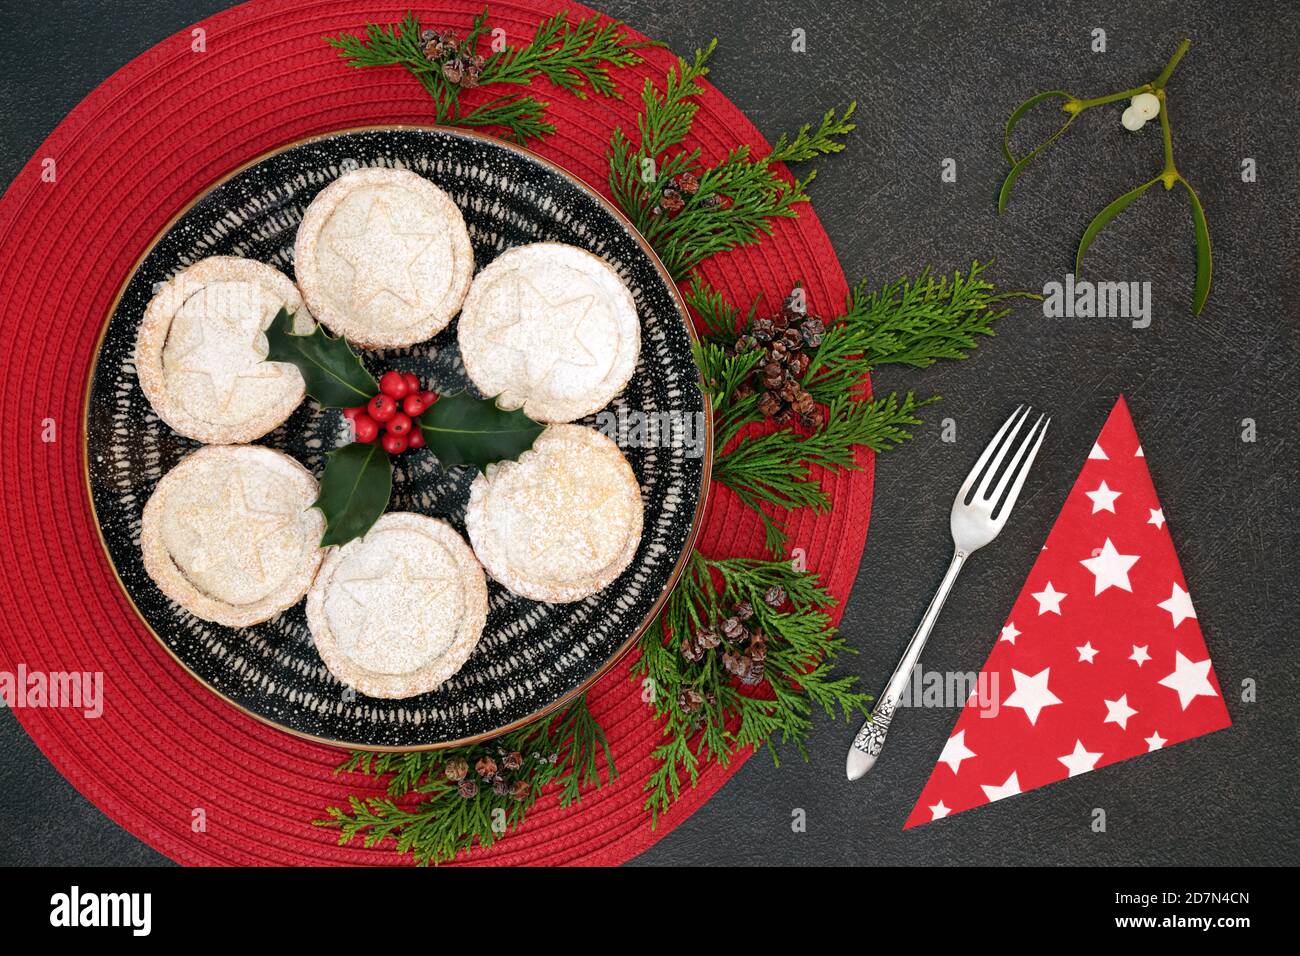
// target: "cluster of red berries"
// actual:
[[394, 412]]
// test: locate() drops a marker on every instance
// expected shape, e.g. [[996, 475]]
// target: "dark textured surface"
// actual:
[[936, 80]]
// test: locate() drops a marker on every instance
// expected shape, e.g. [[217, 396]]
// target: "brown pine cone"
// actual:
[[784, 417], [486, 767], [692, 651], [520, 790], [773, 376], [467, 789], [746, 343], [758, 647], [453, 70], [733, 630], [799, 363], [456, 768], [513, 760], [804, 403], [812, 331], [731, 662], [774, 596], [754, 671], [791, 303], [707, 638], [769, 404], [500, 787], [744, 390], [763, 330], [690, 700], [812, 420], [671, 200], [743, 610], [687, 183]]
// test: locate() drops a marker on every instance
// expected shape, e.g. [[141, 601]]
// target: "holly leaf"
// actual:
[[463, 430], [334, 375], [354, 491]]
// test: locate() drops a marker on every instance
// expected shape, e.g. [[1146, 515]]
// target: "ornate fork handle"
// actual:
[[870, 740]]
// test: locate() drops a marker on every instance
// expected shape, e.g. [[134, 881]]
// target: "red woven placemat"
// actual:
[[74, 221]]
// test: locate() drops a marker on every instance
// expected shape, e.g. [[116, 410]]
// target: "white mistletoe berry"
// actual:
[[1132, 119], [1147, 105]]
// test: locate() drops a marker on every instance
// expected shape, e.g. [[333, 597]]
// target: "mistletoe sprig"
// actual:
[[1169, 176], [688, 212], [443, 803], [576, 56], [358, 481]]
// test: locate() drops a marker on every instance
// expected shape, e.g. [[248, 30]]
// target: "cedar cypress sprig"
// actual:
[[576, 56], [425, 815], [736, 202], [773, 473], [800, 671], [809, 143]]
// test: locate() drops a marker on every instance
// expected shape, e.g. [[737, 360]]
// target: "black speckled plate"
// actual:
[[533, 656]]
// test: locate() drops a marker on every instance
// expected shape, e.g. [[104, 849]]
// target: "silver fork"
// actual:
[[974, 524]]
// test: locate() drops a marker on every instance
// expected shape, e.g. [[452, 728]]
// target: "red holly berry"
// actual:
[[351, 413], [413, 405], [382, 407], [394, 444], [394, 385], [399, 424], [415, 439], [412, 383], [428, 398], [364, 429]]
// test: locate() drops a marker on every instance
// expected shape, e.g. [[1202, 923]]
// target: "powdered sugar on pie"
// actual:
[[230, 533], [201, 347], [550, 328], [397, 612], [383, 257], [561, 522]]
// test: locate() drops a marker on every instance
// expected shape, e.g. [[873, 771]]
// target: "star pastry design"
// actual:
[[398, 585], [573, 536], [1080, 760], [1049, 599], [1031, 694], [1191, 679], [545, 333], [1118, 711], [1157, 517], [229, 529], [1103, 498], [1110, 568], [939, 811], [1179, 605], [955, 751], [1155, 741], [1140, 655], [375, 250], [1009, 633], [1087, 652], [1008, 789], [226, 359]]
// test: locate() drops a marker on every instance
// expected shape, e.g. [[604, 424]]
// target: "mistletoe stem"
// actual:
[[1172, 65]]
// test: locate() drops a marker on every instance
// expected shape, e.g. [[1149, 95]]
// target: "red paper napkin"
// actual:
[[1102, 657]]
